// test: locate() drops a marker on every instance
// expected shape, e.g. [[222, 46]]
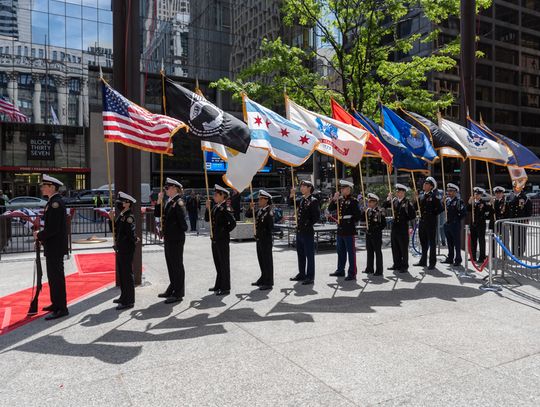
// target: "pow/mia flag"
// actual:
[[206, 121]]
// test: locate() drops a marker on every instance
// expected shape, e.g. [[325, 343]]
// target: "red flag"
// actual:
[[374, 147]]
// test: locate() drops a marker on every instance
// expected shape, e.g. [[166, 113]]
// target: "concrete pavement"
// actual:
[[420, 339]]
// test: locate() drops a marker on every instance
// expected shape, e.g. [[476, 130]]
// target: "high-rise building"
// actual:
[[507, 76]]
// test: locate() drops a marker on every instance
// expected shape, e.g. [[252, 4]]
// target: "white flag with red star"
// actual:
[[336, 139]]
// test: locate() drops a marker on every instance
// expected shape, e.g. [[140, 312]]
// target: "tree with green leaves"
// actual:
[[371, 44]]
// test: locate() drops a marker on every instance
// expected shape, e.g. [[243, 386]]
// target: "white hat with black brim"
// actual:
[[372, 197], [345, 183], [48, 180], [172, 182], [264, 194], [219, 188], [431, 180], [452, 187], [126, 197], [498, 189], [401, 187]]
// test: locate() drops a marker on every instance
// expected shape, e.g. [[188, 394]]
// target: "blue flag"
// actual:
[[412, 138], [521, 155], [403, 158]]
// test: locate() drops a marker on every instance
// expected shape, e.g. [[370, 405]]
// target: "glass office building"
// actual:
[[46, 50]]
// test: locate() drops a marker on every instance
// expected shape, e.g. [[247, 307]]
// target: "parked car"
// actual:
[[29, 202], [86, 198], [277, 198]]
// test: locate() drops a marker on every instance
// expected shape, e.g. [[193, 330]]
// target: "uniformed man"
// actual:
[[519, 206], [54, 237], [222, 224], [125, 240], [482, 212], [399, 236], [430, 208], [376, 223], [350, 214], [308, 213], [264, 224], [174, 228], [455, 213]]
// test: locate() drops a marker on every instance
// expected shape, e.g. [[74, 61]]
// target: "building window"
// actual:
[[483, 72], [506, 116], [528, 79], [530, 100], [506, 76], [506, 14], [483, 93], [530, 62], [506, 55], [508, 97], [507, 35], [529, 120], [530, 41]]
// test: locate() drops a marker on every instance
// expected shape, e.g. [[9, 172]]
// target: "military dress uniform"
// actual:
[[455, 213], [54, 237], [174, 237], [350, 214], [124, 245], [500, 211], [519, 206], [223, 223], [399, 236], [308, 213], [376, 223], [264, 224], [482, 212], [430, 208]]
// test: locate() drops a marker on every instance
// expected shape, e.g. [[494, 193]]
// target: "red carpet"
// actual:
[[96, 271]]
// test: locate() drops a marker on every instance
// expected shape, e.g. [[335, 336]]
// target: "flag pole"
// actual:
[[390, 187], [244, 112], [207, 194], [337, 190], [253, 210], [363, 193], [490, 188], [416, 193], [444, 186], [164, 102], [287, 115], [111, 203], [294, 197], [471, 180]]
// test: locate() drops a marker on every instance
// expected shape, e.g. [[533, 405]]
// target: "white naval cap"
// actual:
[[478, 190], [264, 194], [498, 189], [126, 197], [345, 183], [219, 188], [402, 187], [372, 196], [170, 181], [452, 186], [47, 179], [431, 180], [306, 182]]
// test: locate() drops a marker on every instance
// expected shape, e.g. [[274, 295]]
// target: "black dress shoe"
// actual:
[[447, 261], [166, 294], [223, 292], [48, 308], [307, 282], [57, 314], [298, 277], [404, 270], [256, 284], [350, 278], [481, 260], [213, 289], [367, 272], [117, 301], [457, 264], [265, 287], [378, 274], [337, 274], [393, 268], [420, 265], [124, 306], [431, 267], [172, 300]]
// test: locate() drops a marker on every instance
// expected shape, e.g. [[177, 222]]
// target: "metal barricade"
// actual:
[[516, 247]]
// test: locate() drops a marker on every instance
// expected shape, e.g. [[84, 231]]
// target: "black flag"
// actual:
[[206, 121], [439, 138]]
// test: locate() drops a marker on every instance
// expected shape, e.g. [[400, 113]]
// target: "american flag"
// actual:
[[10, 110], [129, 124]]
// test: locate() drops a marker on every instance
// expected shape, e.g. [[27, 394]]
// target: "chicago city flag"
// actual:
[[342, 141], [286, 141]]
